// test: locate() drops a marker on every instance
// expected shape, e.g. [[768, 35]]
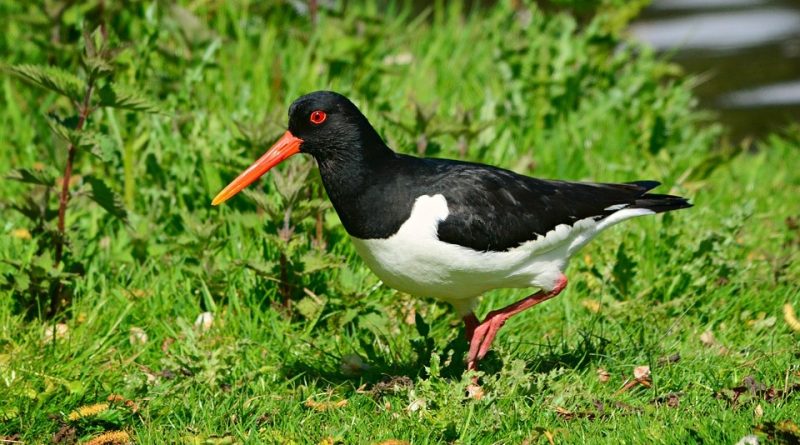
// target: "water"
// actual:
[[747, 53]]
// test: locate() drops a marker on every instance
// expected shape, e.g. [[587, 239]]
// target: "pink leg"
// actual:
[[471, 322], [483, 335]]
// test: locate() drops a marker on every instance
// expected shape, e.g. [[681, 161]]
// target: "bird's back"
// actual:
[[493, 209]]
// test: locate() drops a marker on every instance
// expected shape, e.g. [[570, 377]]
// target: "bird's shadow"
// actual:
[[379, 369], [546, 357]]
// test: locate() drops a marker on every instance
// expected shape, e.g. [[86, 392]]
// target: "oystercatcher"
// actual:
[[450, 229]]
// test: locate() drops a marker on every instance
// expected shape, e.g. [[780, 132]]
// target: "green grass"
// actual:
[[536, 92]]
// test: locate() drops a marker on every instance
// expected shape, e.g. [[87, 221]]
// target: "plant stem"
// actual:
[[312, 11], [84, 111], [285, 288], [320, 225]]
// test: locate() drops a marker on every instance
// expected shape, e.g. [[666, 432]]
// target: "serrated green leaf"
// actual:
[[51, 78], [30, 209], [291, 182], [98, 144], [106, 198], [262, 201], [39, 177], [98, 66], [118, 96], [75, 387], [374, 322], [95, 42], [22, 282], [58, 128], [261, 267], [314, 261], [259, 135], [42, 262], [309, 308], [9, 413], [88, 139], [348, 281], [347, 316], [112, 416]]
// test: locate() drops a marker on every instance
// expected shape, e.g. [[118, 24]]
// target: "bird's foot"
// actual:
[[482, 335]]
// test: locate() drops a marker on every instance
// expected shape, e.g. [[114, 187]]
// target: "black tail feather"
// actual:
[[660, 203], [645, 185], [656, 202]]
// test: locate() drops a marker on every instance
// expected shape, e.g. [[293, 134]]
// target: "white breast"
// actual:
[[415, 261]]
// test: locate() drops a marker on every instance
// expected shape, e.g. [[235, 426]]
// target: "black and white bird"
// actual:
[[448, 229]]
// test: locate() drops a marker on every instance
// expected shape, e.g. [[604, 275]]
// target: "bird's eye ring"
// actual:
[[318, 117]]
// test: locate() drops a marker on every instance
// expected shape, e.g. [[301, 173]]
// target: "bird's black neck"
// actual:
[[346, 172], [357, 181]]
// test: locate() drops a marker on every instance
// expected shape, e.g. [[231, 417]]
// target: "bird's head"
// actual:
[[325, 125]]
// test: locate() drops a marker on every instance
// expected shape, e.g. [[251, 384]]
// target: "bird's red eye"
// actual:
[[318, 117]]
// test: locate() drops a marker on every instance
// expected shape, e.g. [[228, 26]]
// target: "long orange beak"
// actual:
[[286, 146]]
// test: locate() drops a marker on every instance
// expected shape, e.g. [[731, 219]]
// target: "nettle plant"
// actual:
[[42, 285], [294, 224]]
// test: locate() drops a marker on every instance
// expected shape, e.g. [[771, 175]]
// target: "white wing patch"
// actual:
[[427, 213], [616, 207]]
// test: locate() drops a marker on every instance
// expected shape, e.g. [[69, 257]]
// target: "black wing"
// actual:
[[492, 209]]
